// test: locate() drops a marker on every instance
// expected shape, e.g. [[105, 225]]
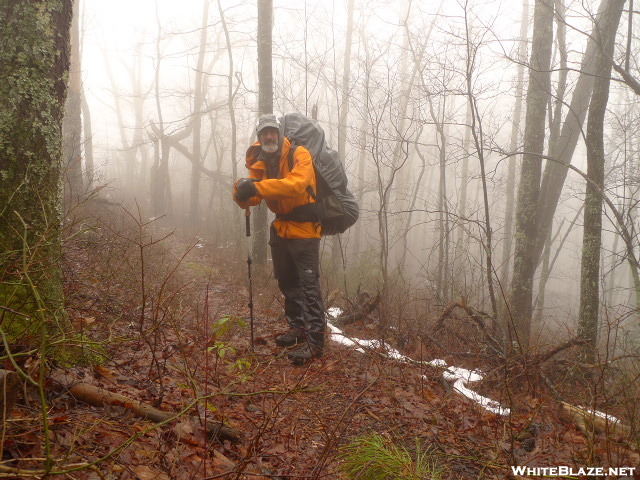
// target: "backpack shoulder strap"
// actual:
[[292, 150]]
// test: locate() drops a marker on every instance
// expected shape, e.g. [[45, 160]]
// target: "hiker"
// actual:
[[295, 245]]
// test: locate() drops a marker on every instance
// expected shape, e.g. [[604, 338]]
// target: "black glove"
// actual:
[[246, 189]]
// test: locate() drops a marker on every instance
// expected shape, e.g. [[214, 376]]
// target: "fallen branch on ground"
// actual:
[[477, 317], [99, 397], [590, 421], [359, 313], [543, 357]]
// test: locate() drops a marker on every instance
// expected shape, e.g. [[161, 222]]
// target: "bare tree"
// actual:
[[534, 136], [343, 115], [231, 95], [417, 55], [555, 121], [131, 137], [199, 92], [72, 124], [88, 139], [265, 105], [592, 233], [513, 145], [477, 134], [161, 200], [555, 172]]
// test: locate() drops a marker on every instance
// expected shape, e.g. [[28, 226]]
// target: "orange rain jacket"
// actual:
[[286, 192]]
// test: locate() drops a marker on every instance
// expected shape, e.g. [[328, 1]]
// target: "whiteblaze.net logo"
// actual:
[[563, 471]]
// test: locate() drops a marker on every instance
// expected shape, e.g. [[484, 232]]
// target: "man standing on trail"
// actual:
[[295, 244]]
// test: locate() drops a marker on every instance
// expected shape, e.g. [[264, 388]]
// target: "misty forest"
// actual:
[[483, 311]]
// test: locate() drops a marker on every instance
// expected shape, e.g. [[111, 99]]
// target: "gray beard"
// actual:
[[270, 148]]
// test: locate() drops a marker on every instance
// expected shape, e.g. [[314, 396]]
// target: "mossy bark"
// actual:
[[534, 136], [34, 62], [592, 233]]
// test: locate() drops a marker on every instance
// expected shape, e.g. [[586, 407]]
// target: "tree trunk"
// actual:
[[417, 188], [505, 271], [558, 98], [130, 144], [346, 80], [477, 134], [88, 140], [72, 123], [231, 106], [161, 190], [336, 244], [464, 188], [537, 99], [34, 62], [360, 191], [555, 172], [554, 132], [443, 209], [198, 100], [265, 105], [592, 233]]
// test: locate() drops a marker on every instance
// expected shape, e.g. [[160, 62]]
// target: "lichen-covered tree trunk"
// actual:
[[592, 233], [562, 149], [534, 136], [34, 61], [505, 271]]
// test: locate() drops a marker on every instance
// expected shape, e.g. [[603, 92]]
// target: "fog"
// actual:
[[412, 146]]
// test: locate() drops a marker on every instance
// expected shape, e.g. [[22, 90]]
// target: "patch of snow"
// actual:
[[609, 418], [458, 376]]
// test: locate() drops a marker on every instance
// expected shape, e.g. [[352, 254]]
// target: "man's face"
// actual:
[[269, 139]]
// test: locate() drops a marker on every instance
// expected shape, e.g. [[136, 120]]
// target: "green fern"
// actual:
[[373, 457]]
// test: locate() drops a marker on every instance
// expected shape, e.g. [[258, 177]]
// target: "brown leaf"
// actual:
[[190, 433], [146, 473], [105, 373], [277, 449]]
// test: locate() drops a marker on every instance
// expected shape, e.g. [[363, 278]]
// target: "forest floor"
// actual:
[[172, 315]]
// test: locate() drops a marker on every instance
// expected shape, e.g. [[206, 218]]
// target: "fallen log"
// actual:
[[99, 397], [589, 421]]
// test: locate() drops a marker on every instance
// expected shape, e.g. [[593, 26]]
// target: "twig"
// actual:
[[362, 312], [541, 358]]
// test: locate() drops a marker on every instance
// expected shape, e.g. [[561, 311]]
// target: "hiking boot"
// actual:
[[304, 354], [290, 338]]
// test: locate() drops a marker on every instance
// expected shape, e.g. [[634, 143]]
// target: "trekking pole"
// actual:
[[247, 216]]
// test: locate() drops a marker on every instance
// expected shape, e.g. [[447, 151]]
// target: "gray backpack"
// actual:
[[336, 208]]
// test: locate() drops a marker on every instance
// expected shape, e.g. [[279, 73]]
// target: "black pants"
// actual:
[[296, 263]]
